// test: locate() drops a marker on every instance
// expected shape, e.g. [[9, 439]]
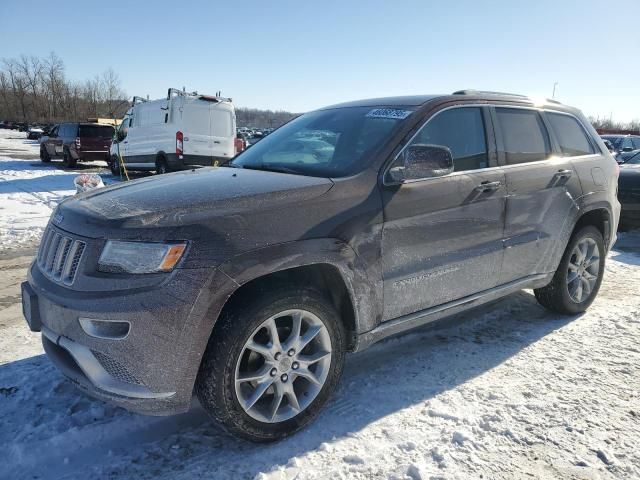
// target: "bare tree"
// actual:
[[113, 97]]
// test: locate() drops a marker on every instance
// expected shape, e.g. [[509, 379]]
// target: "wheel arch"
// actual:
[[600, 216]]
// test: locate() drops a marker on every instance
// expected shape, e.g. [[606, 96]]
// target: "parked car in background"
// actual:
[[248, 284], [34, 133], [609, 146], [180, 131], [625, 146], [629, 193], [77, 142], [242, 142]]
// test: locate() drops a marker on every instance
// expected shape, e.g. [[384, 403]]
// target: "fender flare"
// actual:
[[365, 292]]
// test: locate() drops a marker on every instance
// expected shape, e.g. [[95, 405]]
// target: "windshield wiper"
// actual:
[[272, 169]]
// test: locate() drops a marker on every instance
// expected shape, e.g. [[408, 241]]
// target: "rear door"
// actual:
[[222, 132], [95, 138], [542, 188], [197, 141], [442, 236]]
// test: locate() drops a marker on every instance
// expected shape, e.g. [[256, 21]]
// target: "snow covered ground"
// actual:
[[507, 391], [30, 189]]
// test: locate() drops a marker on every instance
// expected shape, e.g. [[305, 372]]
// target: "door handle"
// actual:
[[216, 141], [563, 173], [487, 186]]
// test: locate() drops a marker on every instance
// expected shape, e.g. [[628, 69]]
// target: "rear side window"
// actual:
[[462, 131], [220, 123], [571, 136], [197, 121], [96, 131], [523, 134]]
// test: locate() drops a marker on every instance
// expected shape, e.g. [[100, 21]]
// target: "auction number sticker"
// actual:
[[394, 113]]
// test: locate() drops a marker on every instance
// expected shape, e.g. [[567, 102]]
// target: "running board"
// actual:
[[417, 319]]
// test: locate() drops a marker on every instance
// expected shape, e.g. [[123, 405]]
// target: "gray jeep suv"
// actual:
[[246, 284]]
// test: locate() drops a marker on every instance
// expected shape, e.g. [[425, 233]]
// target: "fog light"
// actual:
[[107, 329]]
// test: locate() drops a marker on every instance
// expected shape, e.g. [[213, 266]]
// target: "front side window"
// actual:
[[326, 143], [462, 131], [626, 143], [571, 136], [636, 143], [524, 136]]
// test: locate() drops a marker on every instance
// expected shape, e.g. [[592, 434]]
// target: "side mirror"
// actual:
[[121, 135], [423, 161], [627, 149]]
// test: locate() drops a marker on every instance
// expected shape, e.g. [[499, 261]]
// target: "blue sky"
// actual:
[[299, 55]]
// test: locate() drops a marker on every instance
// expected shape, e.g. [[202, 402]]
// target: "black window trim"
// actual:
[[500, 142], [490, 139], [556, 142]]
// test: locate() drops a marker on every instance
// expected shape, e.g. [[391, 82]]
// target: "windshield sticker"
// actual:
[[389, 113]]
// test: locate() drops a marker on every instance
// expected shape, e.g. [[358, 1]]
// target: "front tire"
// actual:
[[272, 364], [579, 275], [114, 166]]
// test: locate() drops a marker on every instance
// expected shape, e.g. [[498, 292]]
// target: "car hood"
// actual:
[[183, 198]]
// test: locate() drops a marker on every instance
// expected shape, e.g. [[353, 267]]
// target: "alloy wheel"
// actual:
[[583, 269], [283, 366]]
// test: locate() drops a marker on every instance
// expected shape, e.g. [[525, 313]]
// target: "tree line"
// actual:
[[36, 89]]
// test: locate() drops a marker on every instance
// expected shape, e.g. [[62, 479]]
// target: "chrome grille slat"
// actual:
[[53, 249], [59, 256]]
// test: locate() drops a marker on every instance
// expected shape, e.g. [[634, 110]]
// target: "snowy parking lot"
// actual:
[[505, 391]]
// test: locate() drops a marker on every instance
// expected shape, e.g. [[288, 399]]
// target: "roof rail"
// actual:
[[486, 92], [137, 99], [177, 91], [489, 92]]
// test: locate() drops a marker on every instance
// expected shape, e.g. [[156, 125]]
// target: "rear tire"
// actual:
[[68, 161], [44, 155], [162, 166], [285, 397], [579, 275]]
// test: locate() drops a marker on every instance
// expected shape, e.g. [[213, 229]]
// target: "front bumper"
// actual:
[[152, 368]]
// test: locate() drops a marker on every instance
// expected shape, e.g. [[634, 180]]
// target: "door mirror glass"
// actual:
[[121, 134], [423, 161]]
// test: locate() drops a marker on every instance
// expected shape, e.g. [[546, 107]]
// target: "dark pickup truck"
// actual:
[[247, 284]]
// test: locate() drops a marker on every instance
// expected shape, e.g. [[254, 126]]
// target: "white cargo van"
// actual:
[[180, 131]]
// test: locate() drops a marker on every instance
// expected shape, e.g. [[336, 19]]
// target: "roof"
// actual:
[[482, 96], [410, 100]]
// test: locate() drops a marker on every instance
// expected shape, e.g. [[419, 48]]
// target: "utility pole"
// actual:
[[553, 95]]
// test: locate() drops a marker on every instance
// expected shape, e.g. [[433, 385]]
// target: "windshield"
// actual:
[[635, 160], [325, 143]]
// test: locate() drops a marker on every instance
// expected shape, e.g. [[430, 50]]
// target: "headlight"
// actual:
[[140, 257]]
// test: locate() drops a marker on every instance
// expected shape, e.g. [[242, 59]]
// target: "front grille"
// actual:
[[115, 369], [59, 256]]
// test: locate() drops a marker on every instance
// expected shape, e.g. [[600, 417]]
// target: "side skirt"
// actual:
[[417, 319]]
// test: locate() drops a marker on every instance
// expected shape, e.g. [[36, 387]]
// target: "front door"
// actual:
[[442, 236]]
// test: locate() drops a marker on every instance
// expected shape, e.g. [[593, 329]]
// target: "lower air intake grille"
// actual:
[[115, 369]]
